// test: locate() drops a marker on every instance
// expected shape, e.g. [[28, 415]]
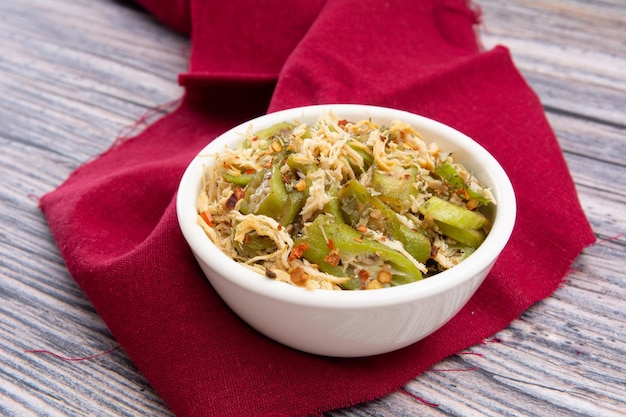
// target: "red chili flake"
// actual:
[[298, 276], [358, 239], [286, 178], [362, 228], [333, 258], [250, 171], [296, 252], [237, 195], [363, 275], [206, 216], [280, 227], [342, 122], [331, 244]]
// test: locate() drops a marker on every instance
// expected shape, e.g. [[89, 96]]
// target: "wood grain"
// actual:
[[72, 82]]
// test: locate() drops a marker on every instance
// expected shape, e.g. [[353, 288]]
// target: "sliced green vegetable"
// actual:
[[355, 251], [396, 186], [265, 194], [436, 208], [241, 180], [452, 177], [279, 129], [470, 237], [299, 166], [293, 205], [464, 250], [332, 207], [368, 159], [415, 243], [254, 245], [358, 205]]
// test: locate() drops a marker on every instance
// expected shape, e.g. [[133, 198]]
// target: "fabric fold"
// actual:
[[115, 224], [174, 13]]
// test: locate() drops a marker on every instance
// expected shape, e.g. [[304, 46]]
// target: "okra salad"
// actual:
[[343, 205]]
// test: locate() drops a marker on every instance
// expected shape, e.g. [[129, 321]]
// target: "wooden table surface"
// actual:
[[76, 74]]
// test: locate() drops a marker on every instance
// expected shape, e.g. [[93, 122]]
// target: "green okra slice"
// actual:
[[333, 207], [452, 177], [396, 186], [358, 205], [368, 159], [470, 237], [280, 130], [325, 235], [296, 165], [254, 245], [265, 194], [293, 205], [241, 180], [441, 210]]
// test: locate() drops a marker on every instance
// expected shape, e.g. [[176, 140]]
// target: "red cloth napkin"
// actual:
[[114, 218]]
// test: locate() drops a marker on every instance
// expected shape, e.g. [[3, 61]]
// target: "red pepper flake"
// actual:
[[280, 227], [333, 258], [298, 276], [362, 228], [331, 244], [296, 252], [206, 216], [342, 122], [358, 239], [363, 275], [250, 171], [237, 195]]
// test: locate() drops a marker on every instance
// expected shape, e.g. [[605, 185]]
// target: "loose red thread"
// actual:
[[473, 368], [491, 340], [65, 358], [418, 398], [33, 197], [145, 119], [472, 353], [607, 239]]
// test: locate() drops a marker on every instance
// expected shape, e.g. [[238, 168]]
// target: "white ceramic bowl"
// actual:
[[350, 323]]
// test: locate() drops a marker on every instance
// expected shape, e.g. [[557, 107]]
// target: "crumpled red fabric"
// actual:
[[114, 218]]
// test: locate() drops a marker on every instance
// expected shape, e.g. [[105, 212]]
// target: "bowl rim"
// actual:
[[482, 259]]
